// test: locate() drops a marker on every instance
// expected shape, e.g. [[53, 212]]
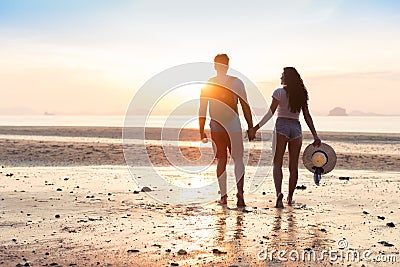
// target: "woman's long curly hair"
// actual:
[[295, 89]]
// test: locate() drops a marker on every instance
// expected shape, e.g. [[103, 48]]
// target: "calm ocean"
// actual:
[[323, 123]]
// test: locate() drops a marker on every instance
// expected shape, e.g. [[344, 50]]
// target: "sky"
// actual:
[[90, 57]]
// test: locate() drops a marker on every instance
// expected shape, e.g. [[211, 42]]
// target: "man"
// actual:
[[222, 94]]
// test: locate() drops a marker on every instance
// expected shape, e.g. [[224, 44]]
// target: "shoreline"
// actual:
[[188, 133]]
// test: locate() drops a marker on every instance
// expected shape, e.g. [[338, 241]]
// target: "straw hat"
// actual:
[[322, 158]]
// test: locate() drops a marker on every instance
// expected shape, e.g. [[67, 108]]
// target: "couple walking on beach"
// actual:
[[221, 96]]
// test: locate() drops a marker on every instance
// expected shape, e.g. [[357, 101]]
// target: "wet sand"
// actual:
[[88, 146], [62, 206]]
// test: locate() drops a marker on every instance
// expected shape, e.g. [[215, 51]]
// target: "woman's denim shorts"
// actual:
[[290, 128]]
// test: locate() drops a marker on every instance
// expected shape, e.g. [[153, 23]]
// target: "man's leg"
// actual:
[[221, 174], [237, 151], [220, 149]]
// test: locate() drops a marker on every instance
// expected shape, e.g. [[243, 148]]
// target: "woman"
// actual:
[[289, 100]]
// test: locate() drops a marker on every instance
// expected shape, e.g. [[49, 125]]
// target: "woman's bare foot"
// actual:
[[290, 201], [240, 202], [279, 202], [223, 200]]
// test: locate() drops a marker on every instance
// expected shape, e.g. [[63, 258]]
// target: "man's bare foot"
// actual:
[[279, 202], [240, 202], [223, 200]]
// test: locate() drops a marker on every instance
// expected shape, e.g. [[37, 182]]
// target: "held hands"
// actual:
[[251, 133]]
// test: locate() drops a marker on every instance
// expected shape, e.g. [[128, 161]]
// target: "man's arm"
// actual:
[[246, 112], [202, 115], [245, 105]]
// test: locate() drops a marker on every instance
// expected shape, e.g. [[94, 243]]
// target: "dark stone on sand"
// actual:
[[381, 217], [344, 178], [301, 187], [365, 212], [54, 264], [174, 264], [133, 250], [57, 216], [182, 252], [323, 230], [66, 178], [146, 189], [14, 240], [136, 192], [59, 189], [264, 193], [109, 194], [89, 196], [390, 224], [9, 174], [168, 250], [219, 252], [386, 244]]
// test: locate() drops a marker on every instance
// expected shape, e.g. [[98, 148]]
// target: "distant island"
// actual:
[[338, 111]]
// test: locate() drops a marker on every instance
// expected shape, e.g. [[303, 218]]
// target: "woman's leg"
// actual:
[[294, 148], [279, 148]]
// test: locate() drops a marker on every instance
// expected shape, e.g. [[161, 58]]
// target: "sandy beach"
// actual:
[[67, 199]]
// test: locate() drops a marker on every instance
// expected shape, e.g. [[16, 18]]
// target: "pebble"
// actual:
[[217, 251], [344, 178], [301, 187], [390, 224], [133, 250], [146, 189], [381, 217], [182, 252], [386, 244]]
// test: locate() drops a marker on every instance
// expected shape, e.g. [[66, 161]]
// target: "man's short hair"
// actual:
[[222, 59]]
